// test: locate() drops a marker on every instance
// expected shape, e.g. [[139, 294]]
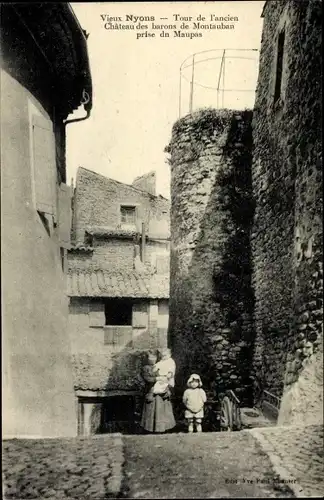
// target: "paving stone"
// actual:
[[63, 468], [207, 465], [298, 451]]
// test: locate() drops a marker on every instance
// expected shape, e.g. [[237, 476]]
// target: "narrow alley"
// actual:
[[162, 250]]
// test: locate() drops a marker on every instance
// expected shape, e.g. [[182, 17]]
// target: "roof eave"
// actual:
[[83, 49]]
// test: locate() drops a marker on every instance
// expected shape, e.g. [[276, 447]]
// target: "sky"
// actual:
[[136, 82]]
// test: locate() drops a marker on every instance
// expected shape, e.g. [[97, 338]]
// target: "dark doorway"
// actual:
[[118, 415]]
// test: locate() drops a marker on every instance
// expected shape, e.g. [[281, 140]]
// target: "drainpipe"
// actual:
[[85, 100], [78, 119]]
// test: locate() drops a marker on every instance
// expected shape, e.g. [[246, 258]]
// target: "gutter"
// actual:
[[64, 12], [85, 101]]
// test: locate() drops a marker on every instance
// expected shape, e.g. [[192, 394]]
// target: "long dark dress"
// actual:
[[157, 415]]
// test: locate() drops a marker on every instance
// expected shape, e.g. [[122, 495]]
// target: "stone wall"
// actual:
[[211, 303], [302, 401], [97, 202], [114, 254], [146, 182], [119, 255], [287, 178], [110, 357]]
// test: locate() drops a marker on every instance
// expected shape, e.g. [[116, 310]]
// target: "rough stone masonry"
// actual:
[[287, 245], [246, 222], [211, 300]]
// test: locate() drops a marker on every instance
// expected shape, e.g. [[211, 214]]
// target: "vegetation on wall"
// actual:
[[211, 300]]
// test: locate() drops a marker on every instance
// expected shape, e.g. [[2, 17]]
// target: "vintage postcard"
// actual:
[[162, 275]]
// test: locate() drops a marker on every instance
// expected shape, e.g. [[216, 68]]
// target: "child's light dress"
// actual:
[[194, 400], [165, 371]]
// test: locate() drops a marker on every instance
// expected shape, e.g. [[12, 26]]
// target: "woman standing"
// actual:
[[157, 413]]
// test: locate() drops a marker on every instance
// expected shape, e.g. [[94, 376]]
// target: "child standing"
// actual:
[[194, 398]]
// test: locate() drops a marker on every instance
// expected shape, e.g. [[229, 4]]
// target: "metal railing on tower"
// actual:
[[219, 78]]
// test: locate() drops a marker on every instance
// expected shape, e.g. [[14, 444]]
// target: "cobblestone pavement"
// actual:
[[247, 464], [62, 468], [296, 452], [207, 465]]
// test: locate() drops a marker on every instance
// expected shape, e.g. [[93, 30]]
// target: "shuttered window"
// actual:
[[44, 163], [128, 215], [97, 314], [64, 215], [140, 315]]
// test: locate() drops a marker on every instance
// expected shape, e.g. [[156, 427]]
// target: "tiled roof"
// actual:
[[152, 233], [103, 283], [104, 232], [80, 247]]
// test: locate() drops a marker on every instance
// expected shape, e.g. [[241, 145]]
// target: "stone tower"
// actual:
[[210, 328]]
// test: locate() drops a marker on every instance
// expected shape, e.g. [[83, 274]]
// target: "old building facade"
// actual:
[[118, 284], [41, 84], [246, 228]]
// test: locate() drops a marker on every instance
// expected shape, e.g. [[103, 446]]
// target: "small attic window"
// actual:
[[128, 214], [279, 66]]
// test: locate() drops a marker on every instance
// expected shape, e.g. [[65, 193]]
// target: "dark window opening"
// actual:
[[128, 214], [118, 312], [279, 67], [62, 253], [45, 222]]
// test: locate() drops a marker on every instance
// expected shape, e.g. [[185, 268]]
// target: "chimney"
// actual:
[[146, 182]]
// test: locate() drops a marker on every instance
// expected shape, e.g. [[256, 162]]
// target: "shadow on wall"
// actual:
[[122, 413], [211, 303], [118, 371]]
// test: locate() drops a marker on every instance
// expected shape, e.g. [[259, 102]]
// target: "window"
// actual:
[[128, 214], [118, 312], [46, 220], [279, 66], [62, 254]]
